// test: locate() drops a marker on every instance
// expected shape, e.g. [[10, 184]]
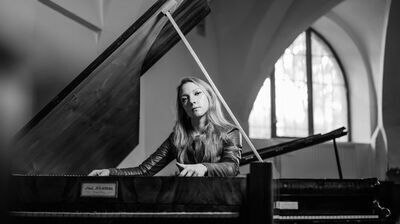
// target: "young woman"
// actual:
[[203, 142]]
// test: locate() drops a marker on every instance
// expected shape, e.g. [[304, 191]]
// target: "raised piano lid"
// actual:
[[94, 121]]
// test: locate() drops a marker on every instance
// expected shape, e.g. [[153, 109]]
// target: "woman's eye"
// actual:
[[197, 93], [184, 100]]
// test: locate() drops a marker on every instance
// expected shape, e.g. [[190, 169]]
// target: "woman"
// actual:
[[203, 142]]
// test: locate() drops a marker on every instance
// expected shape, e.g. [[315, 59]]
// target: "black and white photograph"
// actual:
[[200, 111]]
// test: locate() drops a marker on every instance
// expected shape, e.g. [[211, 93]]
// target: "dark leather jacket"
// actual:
[[227, 165]]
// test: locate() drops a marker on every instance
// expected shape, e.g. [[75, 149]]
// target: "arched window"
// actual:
[[306, 93]]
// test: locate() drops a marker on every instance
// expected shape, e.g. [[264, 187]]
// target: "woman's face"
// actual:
[[194, 100]]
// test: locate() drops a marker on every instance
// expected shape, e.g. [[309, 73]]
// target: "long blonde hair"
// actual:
[[215, 131]]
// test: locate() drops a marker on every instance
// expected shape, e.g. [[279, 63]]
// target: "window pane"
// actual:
[[291, 95], [260, 115], [329, 90], [291, 91]]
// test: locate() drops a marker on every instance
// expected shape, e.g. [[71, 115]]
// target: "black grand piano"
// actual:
[[85, 127]]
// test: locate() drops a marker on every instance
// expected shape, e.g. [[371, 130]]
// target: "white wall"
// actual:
[[360, 46]]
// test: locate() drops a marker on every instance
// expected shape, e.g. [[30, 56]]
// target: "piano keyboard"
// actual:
[[184, 215], [127, 214], [326, 217]]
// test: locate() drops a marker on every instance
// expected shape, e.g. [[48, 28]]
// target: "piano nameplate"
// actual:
[[290, 205], [102, 190]]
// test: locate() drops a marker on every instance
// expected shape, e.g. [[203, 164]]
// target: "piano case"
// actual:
[[94, 121]]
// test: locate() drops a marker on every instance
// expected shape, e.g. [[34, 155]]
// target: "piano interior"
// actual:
[[84, 128]]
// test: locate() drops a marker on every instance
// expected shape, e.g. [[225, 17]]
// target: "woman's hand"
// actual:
[[192, 170], [102, 172]]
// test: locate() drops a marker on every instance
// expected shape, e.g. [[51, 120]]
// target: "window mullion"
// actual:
[[309, 83], [273, 106]]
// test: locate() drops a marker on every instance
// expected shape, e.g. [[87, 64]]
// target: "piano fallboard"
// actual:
[[85, 194]]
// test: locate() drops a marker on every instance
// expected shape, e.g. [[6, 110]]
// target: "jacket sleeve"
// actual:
[[230, 157], [152, 165]]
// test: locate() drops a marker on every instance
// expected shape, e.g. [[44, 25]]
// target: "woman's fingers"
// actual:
[[187, 173], [103, 172], [183, 173], [180, 166], [190, 173], [93, 173]]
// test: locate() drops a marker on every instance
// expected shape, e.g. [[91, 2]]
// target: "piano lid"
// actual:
[[94, 121]]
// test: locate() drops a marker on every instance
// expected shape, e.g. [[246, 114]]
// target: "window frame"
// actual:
[[308, 34]]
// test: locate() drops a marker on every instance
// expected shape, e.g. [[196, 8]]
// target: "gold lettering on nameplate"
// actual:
[[106, 190]]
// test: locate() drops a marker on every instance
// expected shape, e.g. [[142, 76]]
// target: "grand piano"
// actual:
[[84, 127]]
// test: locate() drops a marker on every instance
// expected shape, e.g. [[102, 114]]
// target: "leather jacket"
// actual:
[[227, 161]]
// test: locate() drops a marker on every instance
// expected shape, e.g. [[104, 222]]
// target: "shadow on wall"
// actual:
[[390, 99], [8, 109], [14, 93]]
